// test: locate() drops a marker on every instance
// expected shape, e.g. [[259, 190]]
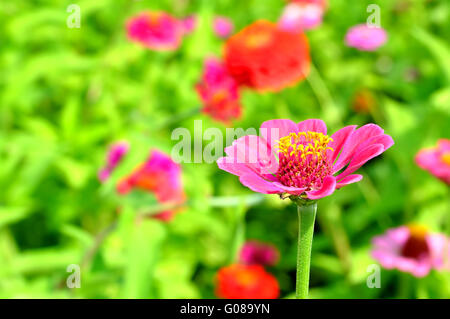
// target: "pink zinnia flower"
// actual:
[[161, 176], [365, 38], [189, 24], [436, 160], [115, 154], [155, 30], [223, 27], [410, 249], [297, 17], [257, 253], [219, 92], [301, 159]]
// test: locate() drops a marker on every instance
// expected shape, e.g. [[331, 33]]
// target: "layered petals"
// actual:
[[365, 38], [257, 253], [219, 92], [410, 249], [156, 30], [300, 159], [436, 160], [265, 58], [328, 187], [246, 282]]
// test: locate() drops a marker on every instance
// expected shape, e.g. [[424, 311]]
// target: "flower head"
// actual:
[[301, 159], [115, 154], [297, 17], [265, 58], [436, 160], [410, 249], [189, 24], [155, 30], [161, 176], [246, 282], [222, 27], [257, 253], [219, 92], [365, 38]]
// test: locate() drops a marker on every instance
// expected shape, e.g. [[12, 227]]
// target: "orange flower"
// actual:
[[364, 101], [265, 58], [246, 282]]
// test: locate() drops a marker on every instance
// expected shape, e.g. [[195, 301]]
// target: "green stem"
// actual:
[[306, 218]]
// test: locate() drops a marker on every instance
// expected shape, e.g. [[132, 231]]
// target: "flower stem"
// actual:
[[306, 219]]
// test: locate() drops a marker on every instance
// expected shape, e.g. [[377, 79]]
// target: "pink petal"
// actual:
[[339, 139], [426, 158], [254, 152], [290, 190], [361, 158], [383, 139], [313, 125], [359, 136], [258, 184], [232, 165], [349, 180], [328, 187], [273, 130]]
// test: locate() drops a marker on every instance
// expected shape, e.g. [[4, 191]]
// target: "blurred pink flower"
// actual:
[[321, 3], [254, 252], [436, 160], [155, 30], [223, 27], [189, 24], [161, 176], [115, 155], [219, 92], [301, 159], [365, 38], [297, 17], [410, 249]]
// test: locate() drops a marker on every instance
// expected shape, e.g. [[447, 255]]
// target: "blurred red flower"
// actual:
[[219, 92], [161, 176], [265, 58], [246, 282]]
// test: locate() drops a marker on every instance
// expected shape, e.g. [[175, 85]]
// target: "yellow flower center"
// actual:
[[258, 40], [446, 158], [303, 144]]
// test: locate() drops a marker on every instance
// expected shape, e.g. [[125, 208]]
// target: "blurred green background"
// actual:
[[66, 94]]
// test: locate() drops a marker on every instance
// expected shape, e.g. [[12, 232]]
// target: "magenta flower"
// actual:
[[436, 160], [115, 154], [219, 92], [155, 30], [189, 24], [161, 176], [410, 249], [297, 17], [301, 159], [223, 27], [257, 253], [365, 38]]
